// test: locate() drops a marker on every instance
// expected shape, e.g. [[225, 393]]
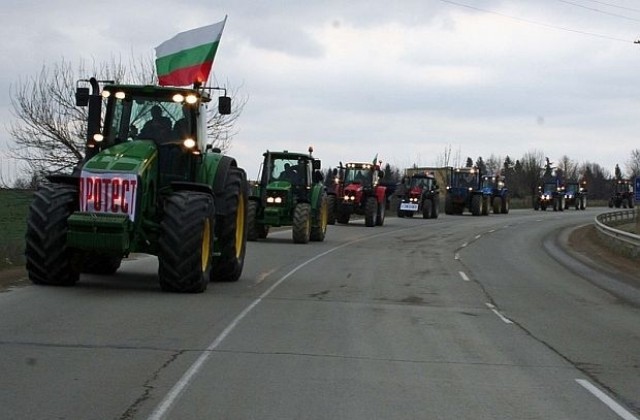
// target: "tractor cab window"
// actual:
[[464, 179], [549, 187], [360, 175], [572, 188], [290, 170], [424, 183], [142, 118]]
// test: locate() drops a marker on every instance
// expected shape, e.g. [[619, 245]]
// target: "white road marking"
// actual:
[[495, 311], [162, 410], [463, 275], [492, 230], [456, 256], [478, 236], [609, 402], [464, 245]]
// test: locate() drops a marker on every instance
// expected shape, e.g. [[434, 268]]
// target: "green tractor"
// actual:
[[290, 193], [149, 183]]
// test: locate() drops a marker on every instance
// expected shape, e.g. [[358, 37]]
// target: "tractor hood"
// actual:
[[353, 188], [129, 157]]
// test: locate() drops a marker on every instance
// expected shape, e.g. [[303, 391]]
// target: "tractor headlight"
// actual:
[[189, 143], [98, 137]]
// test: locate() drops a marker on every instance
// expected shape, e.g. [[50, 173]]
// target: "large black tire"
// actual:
[[380, 213], [255, 230], [301, 228], [231, 228], [486, 200], [331, 209], [435, 209], [342, 216], [448, 205], [476, 205], [370, 209], [186, 242], [48, 260], [427, 208], [320, 221], [504, 208], [561, 202], [631, 202], [497, 204], [96, 263], [583, 203]]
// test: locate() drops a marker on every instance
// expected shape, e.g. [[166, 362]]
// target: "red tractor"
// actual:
[[421, 195], [357, 190]]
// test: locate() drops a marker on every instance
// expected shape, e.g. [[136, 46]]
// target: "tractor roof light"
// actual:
[[98, 137], [120, 95], [106, 93]]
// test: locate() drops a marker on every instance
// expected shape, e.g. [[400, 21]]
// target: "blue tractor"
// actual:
[[465, 191], [499, 199], [550, 193]]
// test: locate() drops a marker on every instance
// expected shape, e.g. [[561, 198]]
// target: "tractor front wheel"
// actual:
[[331, 209], [380, 213], [48, 260], [186, 242], [427, 209], [370, 209], [301, 223]]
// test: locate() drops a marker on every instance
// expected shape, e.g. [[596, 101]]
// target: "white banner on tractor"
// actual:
[[108, 193]]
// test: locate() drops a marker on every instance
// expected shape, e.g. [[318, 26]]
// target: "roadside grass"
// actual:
[[13, 226]]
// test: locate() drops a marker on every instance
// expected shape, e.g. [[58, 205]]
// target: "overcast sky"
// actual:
[[405, 79]]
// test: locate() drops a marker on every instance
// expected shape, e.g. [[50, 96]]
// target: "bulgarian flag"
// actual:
[[187, 58]]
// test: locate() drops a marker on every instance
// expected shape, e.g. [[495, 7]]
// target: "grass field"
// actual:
[[13, 224]]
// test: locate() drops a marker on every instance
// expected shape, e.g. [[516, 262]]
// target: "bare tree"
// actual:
[[568, 167], [49, 130], [493, 164], [633, 164], [533, 163]]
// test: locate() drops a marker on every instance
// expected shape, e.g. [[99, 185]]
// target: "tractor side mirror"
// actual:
[[317, 164], [82, 96], [224, 105]]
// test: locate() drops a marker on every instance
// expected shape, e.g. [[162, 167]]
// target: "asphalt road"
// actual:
[[456, 318]]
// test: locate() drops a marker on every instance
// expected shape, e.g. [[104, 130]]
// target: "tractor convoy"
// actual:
[[150, 182]]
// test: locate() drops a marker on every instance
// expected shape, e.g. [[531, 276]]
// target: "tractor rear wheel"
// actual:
[[231, 228], [504, 208], [186, 242], [301, 227], [370, 209], [435, 208], [331, 209], [485, 205], [319, 223], [255, 231], [380, 213], [48, 260]]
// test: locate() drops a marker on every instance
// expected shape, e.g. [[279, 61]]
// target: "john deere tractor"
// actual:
[[622, 195], [290, 193], [499, 199], [465, 191], [421, 195], [149, 183], [362, 194]]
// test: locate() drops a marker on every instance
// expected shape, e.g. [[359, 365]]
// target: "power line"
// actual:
[[533, 22], [593, 9], [631, 9]]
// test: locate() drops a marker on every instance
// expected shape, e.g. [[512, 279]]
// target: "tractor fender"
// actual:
[[381, 194], [316, 195]]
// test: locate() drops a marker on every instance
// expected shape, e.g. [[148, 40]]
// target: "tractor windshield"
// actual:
[[148, 118], [549, 187], [361, 175], [421, 182], [571, 188], [464, 179], [289, 169]]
